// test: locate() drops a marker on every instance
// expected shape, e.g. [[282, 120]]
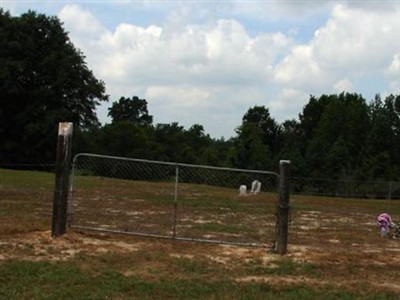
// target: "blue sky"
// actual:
[[208, 62]]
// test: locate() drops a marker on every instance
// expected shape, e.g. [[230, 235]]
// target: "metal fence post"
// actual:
[[63, 164], [283, 207], [390, 190], [175, 201]]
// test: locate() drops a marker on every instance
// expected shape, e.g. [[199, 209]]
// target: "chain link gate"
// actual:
[[171, 200]]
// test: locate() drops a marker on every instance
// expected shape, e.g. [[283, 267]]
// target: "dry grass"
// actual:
[[334, 250]]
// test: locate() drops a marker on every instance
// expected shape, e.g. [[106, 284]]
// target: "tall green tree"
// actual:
[[256, 142], [342, 127], [133, 110], [312, 113], [43, 80], [259, 116], [126, 139], [392, 106], [383, 160], [291, 146], [194, 141], [171, 141]]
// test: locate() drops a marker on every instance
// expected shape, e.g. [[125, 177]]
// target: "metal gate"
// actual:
[[172, 200]]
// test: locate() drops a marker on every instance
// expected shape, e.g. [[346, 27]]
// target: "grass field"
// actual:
[[199, 211], [335, 252]]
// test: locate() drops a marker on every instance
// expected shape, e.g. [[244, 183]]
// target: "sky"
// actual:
[[208, 62]]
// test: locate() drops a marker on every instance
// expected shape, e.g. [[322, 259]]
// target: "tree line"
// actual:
[[44, 80], [340, 136]]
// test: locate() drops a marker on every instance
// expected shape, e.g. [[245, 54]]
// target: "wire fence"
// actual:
[[195, 203], [346, 188], [29, 167], [365, 189], [25, 198], [170, 200]]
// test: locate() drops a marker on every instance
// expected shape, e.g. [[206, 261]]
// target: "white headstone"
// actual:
[[242, 190], [255, 187]]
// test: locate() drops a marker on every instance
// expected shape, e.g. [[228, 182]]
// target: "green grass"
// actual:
[[305, 203], [29, 180], [283, 267], [42, 280], [25, 201]]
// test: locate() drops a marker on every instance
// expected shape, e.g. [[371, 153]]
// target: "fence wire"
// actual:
[[346, 188], [171, 200], [335, 222], [25, 198]]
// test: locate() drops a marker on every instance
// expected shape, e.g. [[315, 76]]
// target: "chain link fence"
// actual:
[[193, 202], [171, 200], [328, 213], [345, 188], [25, 197]]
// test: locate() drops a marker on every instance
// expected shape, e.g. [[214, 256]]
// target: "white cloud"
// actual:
[[82, 21], [289, 102], [353, 43], [300, 69], [343, 85], [177, 98], [198, 70], [209, 69], [394, 68], [393, 74], [218, 109], [356, 39]]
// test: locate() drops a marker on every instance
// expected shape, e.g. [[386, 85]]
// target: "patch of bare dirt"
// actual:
[[40, 246], [339, 260], [334, 264]]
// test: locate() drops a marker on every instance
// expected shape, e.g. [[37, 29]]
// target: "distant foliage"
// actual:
[[130, 110], [340, 137], [43, 80]]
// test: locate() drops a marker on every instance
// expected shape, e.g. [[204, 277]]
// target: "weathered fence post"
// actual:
[[283, 207], [63, 165]]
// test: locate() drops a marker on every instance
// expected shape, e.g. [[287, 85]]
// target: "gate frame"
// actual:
[[281, 230]]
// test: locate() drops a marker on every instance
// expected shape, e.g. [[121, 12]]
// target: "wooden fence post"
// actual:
[[63, 165], [283, 207]]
